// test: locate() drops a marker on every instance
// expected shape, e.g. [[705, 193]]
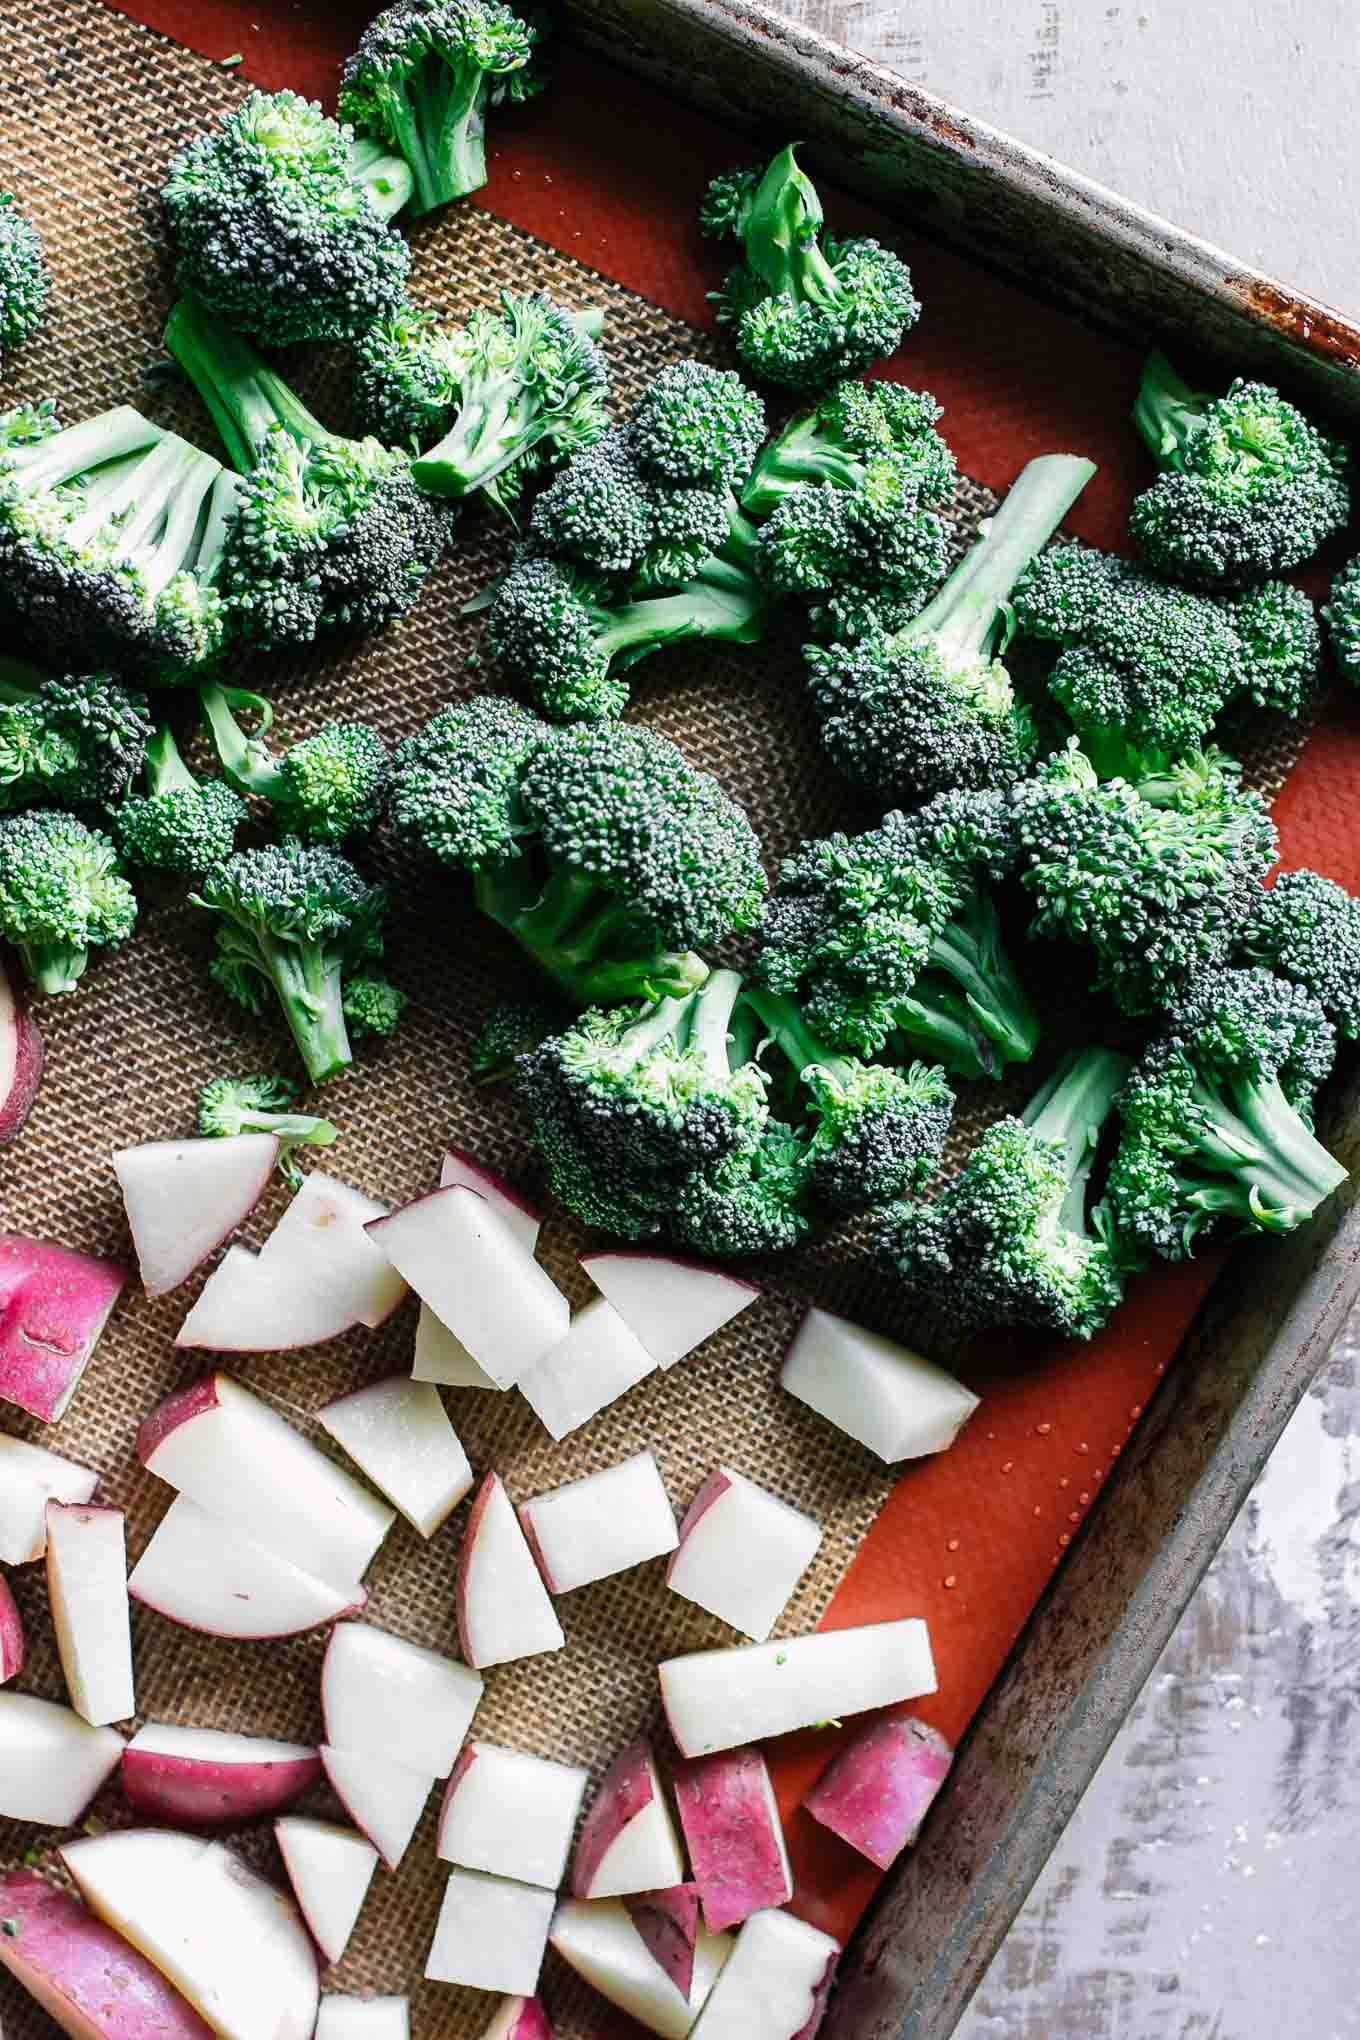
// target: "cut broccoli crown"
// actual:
[[233, 1105], [1307, 928], [422, 78], [1250, 487], [518, 1022], [23, 277], [1342, 614], [599, 847], [372, 1006], [1157, 874], [805, 309], [861, 560], [110, 542], [931, 707], [294, 920], [626, 1104], [280, 222], [853, 427], [1218, 1116], [891, 939], [531, 390], [62, 894], [752, 1202], [1010, 1241], [1152, 667], [78, 742], [329, 535], [178, 823], [697, 427], [327, 788]]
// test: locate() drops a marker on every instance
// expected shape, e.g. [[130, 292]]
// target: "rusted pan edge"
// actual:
[[1058, 233], [1098, 1633]]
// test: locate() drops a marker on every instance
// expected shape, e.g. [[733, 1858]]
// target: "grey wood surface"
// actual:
[[1210, 1884]]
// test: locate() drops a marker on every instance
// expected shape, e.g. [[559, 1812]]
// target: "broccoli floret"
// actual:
[[111, 536], [422, 78], [1342, 615], [62, 894], [805, 309], [79, 742], [330, 534], [599, 848], [1151, 667], [1218, 1116], [1156, 873], [875, 1133], [855, 425], [325, 789], [23, 277], [518, 1022], [294, 920], [1011, 1241], [506, 395], [861, 560], [233, 1105], [754, 1202], [1307, 928], [626, 1104], [280, 222], [372, 1006], [931, 707], [179, 823], [697, 427], [1249, 486]]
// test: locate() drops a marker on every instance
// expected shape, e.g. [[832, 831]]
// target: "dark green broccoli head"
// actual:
[[696, 426], [518, 1022], [1251, 487], [422, 78], [878, 1133], [234, 1105], [333, 785], [408, 377], [1281, 646], [77, 741], [599, 512], [863, 559], [455, 783], [805, 310], [372, 1006], [182, 829], [753, 1202], [62, 894], [854, 426], [1342, 614], [1156, 875], [1218, 1116], [550, 630], [279, 231], [23, 276], [1307, 928]]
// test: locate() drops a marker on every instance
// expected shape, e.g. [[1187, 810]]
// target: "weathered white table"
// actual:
[[1209, 1887]]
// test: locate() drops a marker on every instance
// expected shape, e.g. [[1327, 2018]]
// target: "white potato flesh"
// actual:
[[184, 1197], [30, 1478], [504, 1610], [718, 1699], [321, 1243], [491, 1934], [604, 1523], [524, 1221], [51, 1762], [383, 1694], [397, 1432], [330, 1869], [598, 1360], [887, 1397], [511, 1814], [355, 2018], [207, 1575], [773, 1985], [742, 1553], [442, 1359], [672, 1305], [88, 1591], [599, 1941], [383, 1799]]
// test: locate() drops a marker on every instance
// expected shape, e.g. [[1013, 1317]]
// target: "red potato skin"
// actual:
[[667, 1924], [467, 1757], [26, 1059], [91, 1981], [879, 1789], [54, 1303], [625, 1791], [821, 1997], [194, 1401], [183, 1792], [528, 2021], [526, 1524], [480, 1502], [480, 1173], [735, 1852], [12, 1646], [713, 1490]]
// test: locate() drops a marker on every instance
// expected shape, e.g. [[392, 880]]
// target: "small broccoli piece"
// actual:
[[697, 427], [1156, 874], [805, 309], [281, 223], [875, 1132], [372, 1007], [1218, 1116], [111, 537], [861, 561], [753, 1202], [510, 393], [233, 1105], [931, 706], [854, 426], [1342, 616], [330, 535], [62, 894], [422, 78], [295, 920], [1011, 1241], [517, 1023], [1307, 928], [1146, 666], [1249, 486], [79, 742], [23, 277], [626, 1104], [327, 788], [599, 848], [179, 823]]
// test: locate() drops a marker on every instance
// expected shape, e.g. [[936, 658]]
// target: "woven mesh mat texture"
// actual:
[[91, 109]]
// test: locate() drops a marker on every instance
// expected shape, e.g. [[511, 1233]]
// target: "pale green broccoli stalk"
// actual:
[[233, 1105]]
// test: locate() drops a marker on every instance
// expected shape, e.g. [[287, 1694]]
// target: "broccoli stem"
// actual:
[[780, 234], [386, 178], [971, 954], [54, 967], [309, 983], [711, 1016], [800, 453], [1166, 410], [1252, 1133], [245, 396], [565, 925], [1071, 1109], [969, 617], [792, 1036], [163, 769], [247, 763], [438, 118], [79, 450], [498, 422], [156, 512]]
